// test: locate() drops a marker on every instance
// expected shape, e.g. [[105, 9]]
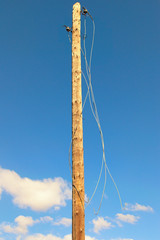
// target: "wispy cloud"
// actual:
[[39, 195], [46, 219], [138, 207], [128, 218], [64, 221], [100, 224]]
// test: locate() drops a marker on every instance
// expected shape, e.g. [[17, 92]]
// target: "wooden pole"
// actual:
[[78, 214]]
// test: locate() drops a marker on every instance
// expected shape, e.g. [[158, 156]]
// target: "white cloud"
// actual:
[[39, 236], [18, 238], [64, 221], [0, 195], [56, 208], [20, 226], [86, 198], [89, 238], [39, 195], [127, 218], [100, 224], [68, 237], [138, 207]]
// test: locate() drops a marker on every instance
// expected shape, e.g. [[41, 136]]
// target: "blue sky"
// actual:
[[35, 119]]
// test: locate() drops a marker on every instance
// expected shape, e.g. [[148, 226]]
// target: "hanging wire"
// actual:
[[88, 93], [69, 38], [95, 114]]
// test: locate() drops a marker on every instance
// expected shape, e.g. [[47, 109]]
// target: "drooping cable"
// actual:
[[88, 93], [95, 113], [69, 38], [88, 70]]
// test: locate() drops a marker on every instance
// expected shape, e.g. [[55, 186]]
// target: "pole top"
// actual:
[[77, 5]]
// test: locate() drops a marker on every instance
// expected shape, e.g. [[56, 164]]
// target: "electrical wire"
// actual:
[[88, 93], [89, 86], [88, 70], [69, 38], [95, 114]]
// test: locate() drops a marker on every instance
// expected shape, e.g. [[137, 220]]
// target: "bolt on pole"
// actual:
[[78, 211]]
